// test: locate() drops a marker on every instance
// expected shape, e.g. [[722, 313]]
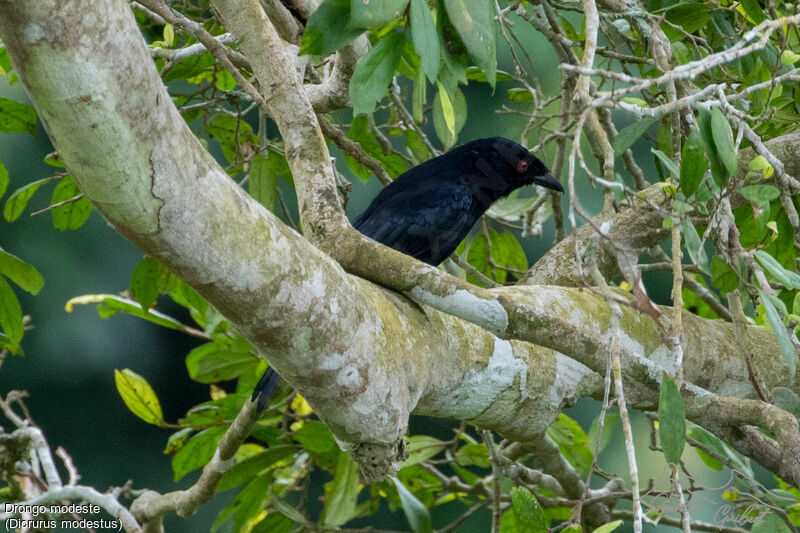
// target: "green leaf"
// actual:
[[760, 163], [419, 150], [189, 67], [10, 315], [572, 441], [690, 16], [530, 514], [611, 421], [230, 132], [754, 11], [789, 58], [176, 441], [112, 304], [787, 278], [509, 522], [681, 52], [328, 29], [16, 117], [693, 163], [695, 247], [760, 194], [315, 437], [254, 465], [341, 494], [169, 34], [506, 252], [771, 522], [220, 360], [3, 179], [447, 110], [374, 71], [667, 162], [453, 69], [723, 277], [718, 170], [73, 214], [474, 22], [441, 110], [718, 448], [20, 272], [376, 13], [361, 133], [421, 448], [197, 452], [263, 181], [723, 140], [16, 203], [418, 516], [784, 341], [54, 160], [520, 94], [473, 454], [628, 135], [671, 420], [635, 101], [608, 527], [425, 38], [139, 396], [224, 81], [419, 97], [711, 443], [476, 74], [144, 282], [248, 503]]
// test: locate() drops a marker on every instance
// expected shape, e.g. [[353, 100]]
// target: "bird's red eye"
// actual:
[[522, 166]]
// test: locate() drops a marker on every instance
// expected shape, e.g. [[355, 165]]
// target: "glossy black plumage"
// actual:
[[428, 210]]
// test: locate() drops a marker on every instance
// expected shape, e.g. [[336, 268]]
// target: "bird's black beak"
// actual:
[[548, 182]]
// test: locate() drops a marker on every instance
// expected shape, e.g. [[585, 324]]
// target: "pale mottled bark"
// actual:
[[363, 356]]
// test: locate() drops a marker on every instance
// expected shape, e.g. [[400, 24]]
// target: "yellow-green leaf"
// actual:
[[139, 396], [447, 110], [20, 272], [16, 203], [789, 58], [10, 315], [169, 34]]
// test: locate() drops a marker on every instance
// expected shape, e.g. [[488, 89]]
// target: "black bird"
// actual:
[[427, 211]]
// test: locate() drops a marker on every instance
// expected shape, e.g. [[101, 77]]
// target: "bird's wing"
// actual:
[[427, 222]]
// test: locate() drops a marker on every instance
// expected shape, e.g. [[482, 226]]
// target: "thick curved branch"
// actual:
[[346, 345], [351, 348]]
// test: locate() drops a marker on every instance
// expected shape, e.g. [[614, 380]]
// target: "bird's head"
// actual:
[[517, 165]]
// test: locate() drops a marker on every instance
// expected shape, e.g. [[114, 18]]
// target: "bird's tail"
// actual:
[[265, 387]]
